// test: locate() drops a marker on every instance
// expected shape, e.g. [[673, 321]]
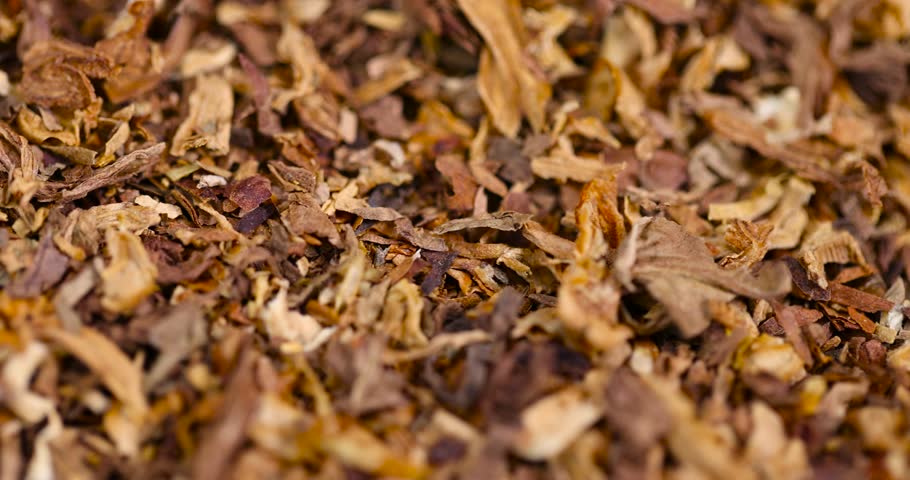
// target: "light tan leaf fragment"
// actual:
[[549, 425], [750, 240], [502, 101], [206, 58], [504, 221], [36, 130], [770, 450], [562, 164], [773, 356], [303, 215], [824, 245], [359, 448], [16, 376], [790, 217], [130, 276], [476, 162], [402, 313], [308, 70], [285, 324], [500, 25], [439, 343], [463, 185], [545, 48], [208, 123], [551, 243], [739, 126], [750, 209], [123, 168], [400, 72], [695, 443], [118, 373]]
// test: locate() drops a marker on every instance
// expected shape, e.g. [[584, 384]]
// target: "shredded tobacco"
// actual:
[[454, 239]]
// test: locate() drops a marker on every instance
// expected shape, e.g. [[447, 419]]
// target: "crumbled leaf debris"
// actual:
[[454, 239]]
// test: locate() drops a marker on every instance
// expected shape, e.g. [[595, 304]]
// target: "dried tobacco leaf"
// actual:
[[314, 239], [56, 73], [208, 122], [497, 22], [130, 275], [666, 260]]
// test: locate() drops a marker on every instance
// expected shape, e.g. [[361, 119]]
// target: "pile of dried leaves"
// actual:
[[454, 239]]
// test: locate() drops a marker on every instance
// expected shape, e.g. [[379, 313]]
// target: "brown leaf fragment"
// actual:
[[463, 185], [181, 330], [123, 168], [799, 277], [668, 260], [222, 438], [255, 217], [878, 74], [386, 117], [804, 316], [787, 319], [47, 268], [267, 121], [666, 11], [139, 65], [597, 214], [56, 74], [504, 221], [250, 192], [858, 299], [373, 386], [301, 178], [418, 236], [861, 176], [171, 272], [739, 126], [439, 265], [551, 243], [303, 216], [634, 411], [865, 324]]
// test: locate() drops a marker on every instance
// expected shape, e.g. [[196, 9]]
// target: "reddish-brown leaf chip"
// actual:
[[250, 192]]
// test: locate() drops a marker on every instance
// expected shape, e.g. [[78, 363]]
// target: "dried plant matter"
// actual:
[[454, 239]]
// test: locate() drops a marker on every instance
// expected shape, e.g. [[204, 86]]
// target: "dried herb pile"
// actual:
[[454, 239]]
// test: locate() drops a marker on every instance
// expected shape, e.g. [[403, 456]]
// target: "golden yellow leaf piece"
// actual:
[[588, 299], [499, 22], [396, 74], [130, 276], [118, 373], [208, 123], [825, 245], [750, 240]]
